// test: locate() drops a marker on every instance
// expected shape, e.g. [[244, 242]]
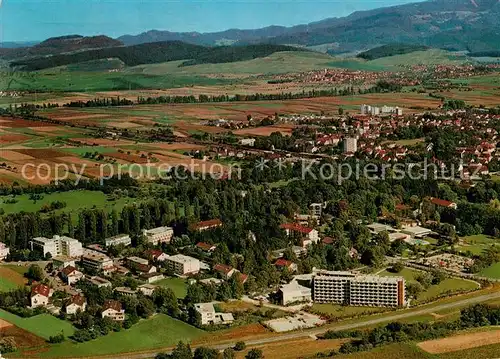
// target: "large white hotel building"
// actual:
[[358, 290]]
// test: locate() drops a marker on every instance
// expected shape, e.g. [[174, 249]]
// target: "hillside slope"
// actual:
[[452, 24], [59, 45], [156, 52]]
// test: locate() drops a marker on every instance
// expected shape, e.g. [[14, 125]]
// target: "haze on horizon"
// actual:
[[30, 20]]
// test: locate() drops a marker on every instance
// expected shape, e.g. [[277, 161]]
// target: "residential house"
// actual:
[[225, 271], [113, 309], [282, 263], [40, 295], [100, 282], [156, 255], [306, 234], [206, 247], [206, 225], [152, 277], [71, 275], [209, 316], [60, 262], [443, 203], [76, 303], [140, 265], [147, 289]]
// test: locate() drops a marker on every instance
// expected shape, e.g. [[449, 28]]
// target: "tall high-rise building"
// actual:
[[350, 144]]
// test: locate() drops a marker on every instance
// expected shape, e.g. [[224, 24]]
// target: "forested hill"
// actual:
[[157, 52], [59, 45], [391, 50]]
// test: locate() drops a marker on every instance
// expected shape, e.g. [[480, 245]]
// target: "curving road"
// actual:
[[313, 332]]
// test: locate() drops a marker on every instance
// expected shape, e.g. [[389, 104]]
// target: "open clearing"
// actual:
[[461, 342], [294, 348], [160, 331], [10, 279], [43, 325], [178, 286]]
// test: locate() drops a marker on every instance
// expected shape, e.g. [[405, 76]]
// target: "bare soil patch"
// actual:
[[6, 139], [461, 342], [41, 153], [15, 156]]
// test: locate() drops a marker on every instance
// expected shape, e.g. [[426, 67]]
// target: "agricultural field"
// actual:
[[448, 286], [74, 200], [461, 341], [24, 340], [492, 271], [42, 325], [178, 285], [10, 278], [294, 348], [160, 331]]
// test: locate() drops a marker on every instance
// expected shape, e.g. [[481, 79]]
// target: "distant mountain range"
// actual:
[[472, 25]]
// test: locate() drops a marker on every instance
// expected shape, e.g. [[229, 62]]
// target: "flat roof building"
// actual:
[[118, 239], [294, 293], [57, 246], [358, 290], [159, 235], [97, 261], [181, 264]]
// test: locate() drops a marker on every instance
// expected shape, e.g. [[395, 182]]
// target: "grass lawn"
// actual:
[[447, 285], [11, 277], [161, 331], [492, 271], [476, 244], [43, 325], [342, 311], [75, 200], [178, 285]]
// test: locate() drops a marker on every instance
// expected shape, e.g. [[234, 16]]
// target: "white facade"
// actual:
[[57, 246], [350, 144], [159, 235], [359, 290], [209, 316], [4, 251], [294, 292], [118, 239], [181, 264]]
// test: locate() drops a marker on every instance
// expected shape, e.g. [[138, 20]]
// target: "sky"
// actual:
[[31, 20]]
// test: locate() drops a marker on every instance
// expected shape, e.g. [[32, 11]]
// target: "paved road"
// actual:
[[351, 326]]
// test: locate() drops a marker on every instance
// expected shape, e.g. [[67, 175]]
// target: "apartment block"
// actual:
[[118, 239], [358, 290], [181, 264], [159, 235], [4, 251], [97, 261], [57, 246]]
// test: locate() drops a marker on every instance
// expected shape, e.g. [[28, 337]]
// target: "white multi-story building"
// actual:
[[181, 264], [57, 246], [97, 261], [159, 235], [359, 290], [350, 144], [4, 251], [118, 239]]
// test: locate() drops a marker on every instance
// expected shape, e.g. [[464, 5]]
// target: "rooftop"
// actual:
[[181, 258], [158, 230]]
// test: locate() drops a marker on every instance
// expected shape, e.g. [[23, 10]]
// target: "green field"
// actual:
[[178, 285], [475, 244], [492, 271], [448, 285], [75, 200], [342, 311], [160, 331], [11, 277], [43, 325]]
